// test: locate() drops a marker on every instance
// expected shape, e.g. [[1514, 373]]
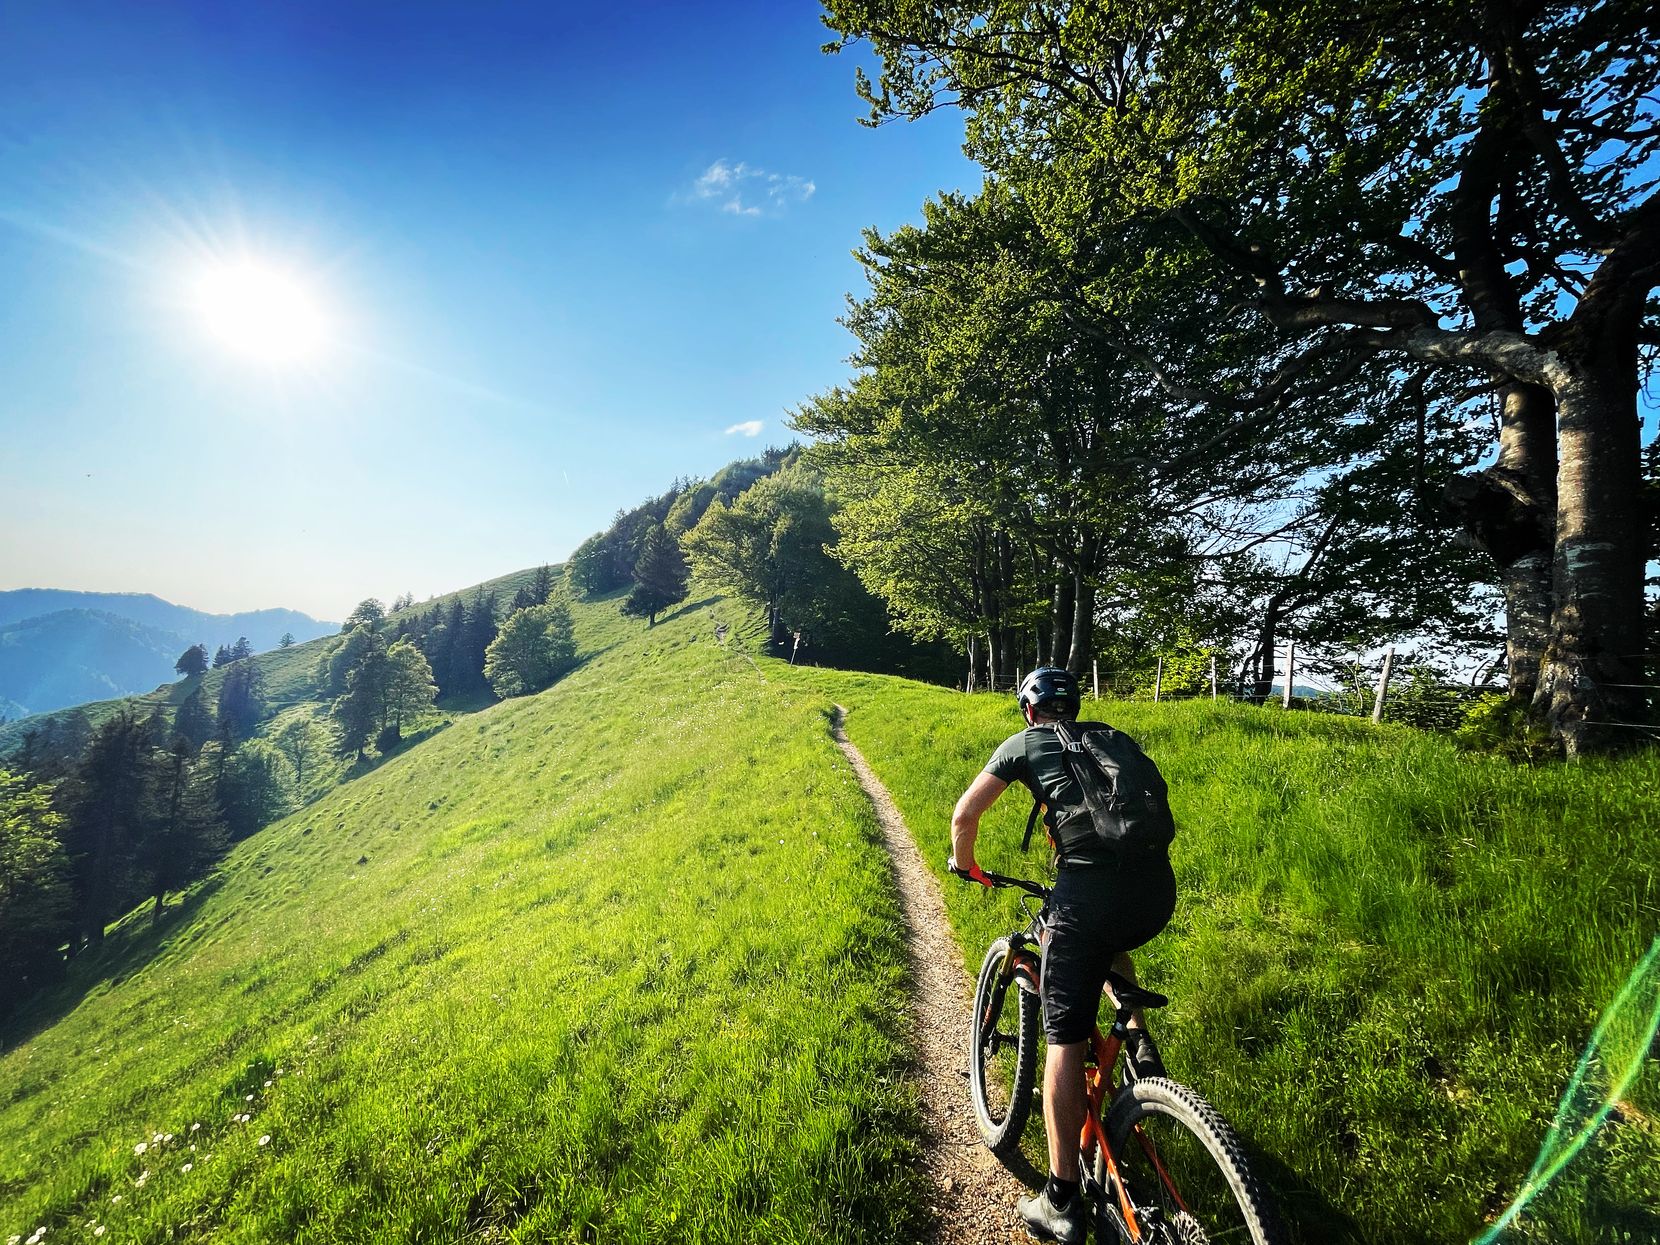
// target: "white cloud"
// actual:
[[749, 428], [744, 190]]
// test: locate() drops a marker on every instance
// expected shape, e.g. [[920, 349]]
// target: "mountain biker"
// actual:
[[1102, 907]]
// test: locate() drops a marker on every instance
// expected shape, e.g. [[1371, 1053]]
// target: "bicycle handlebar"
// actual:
[[996, 881]]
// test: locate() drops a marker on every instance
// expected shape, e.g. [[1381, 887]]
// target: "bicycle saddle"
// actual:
[[1133, 996]]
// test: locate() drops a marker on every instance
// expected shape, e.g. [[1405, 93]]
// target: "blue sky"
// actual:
[[560, 253]]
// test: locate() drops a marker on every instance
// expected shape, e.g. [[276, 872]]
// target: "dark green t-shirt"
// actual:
[[1055, 786]]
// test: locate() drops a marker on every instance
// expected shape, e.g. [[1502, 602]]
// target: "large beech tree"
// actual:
[[1014, 474], [1405, 185]]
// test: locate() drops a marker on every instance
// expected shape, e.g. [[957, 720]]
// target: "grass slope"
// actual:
[[1386, 954], [617, 962]]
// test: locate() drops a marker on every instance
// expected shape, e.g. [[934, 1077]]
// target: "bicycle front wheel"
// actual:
[[1184, 1171], [1002, 1052]]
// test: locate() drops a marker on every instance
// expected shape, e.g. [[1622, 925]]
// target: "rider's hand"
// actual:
[[973, 872]]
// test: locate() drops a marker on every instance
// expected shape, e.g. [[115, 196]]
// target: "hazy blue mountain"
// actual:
[[262, 627], [60, 648]]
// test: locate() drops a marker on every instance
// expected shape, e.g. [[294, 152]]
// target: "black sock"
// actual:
[[1058, 1191]]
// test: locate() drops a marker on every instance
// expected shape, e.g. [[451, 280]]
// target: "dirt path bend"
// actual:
[[973, 1194]]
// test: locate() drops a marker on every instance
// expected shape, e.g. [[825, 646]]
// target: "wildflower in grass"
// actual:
[[99, 1230], [249, 1098], [265, 1140], [142, 1177], [268, 1085], [14, 1240], [141, 1147], [194, 1127], [116, 1200], [187, 1167]]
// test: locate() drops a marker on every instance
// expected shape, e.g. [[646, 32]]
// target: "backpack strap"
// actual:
[[1037, 798]]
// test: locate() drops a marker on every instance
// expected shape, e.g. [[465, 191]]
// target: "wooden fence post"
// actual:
[[1213, 676], [1290, 670], [1158, 681], [1095, 675], [1383, 683]]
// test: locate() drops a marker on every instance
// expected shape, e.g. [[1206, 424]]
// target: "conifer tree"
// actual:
[[660, 576], [222, 657], [241, 648], [242, 699], [287, 640], [542, 586], [112, 811], [193, 661], [187, 832], [194, 721]]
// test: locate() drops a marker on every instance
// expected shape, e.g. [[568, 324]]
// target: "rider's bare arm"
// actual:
[[982, 793]]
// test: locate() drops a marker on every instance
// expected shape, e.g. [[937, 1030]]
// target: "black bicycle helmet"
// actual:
[[1052, 690]]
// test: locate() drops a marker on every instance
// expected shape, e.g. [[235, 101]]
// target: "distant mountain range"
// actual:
[[61, 648]]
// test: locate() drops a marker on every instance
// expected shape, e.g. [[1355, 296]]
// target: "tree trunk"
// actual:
[[1596, 625], [1060, 618], [1267, 638], [1508, 512], [1080, 650]]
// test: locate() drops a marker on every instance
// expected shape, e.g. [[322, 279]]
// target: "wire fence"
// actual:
[[1381, 687]]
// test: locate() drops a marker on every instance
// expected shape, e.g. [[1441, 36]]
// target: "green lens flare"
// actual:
[[1615, 1056]]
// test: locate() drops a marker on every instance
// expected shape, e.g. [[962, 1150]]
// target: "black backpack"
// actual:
[[1126, 803]]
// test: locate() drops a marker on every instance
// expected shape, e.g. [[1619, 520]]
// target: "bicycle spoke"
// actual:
[[1177, 1188]]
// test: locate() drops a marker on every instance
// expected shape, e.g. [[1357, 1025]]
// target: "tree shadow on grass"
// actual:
[[688, 608], [128, 945], [1309, 1216]]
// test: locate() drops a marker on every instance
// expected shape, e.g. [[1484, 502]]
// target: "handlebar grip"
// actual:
[[976, 874]]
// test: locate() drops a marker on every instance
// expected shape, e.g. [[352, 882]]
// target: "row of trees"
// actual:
[[761, 529], [140, 812], [194, 660], [1299, 307], [95, 820]]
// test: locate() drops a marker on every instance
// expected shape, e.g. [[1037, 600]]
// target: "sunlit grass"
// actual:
[[619, 962], [1386, 955]]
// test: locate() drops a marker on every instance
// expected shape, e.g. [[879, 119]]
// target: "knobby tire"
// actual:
[[1001, 1080], [1224, 1202]]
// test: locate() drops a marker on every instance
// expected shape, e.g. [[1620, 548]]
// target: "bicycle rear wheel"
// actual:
[[1002, 1052], [1184, 1171]]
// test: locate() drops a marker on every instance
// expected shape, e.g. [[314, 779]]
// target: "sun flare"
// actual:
[[261, 313]]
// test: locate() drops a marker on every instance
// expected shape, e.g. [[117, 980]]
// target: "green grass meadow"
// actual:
[[618, 962], [1386, 954], [623, 962]]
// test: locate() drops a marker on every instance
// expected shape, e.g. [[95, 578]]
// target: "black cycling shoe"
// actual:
[[1068, 1224], [1141, 1056]]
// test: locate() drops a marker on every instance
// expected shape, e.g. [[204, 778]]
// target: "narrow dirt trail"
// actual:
[[973, 1194]]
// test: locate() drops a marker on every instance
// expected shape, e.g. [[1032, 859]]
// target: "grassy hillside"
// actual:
[[621, 962], [1386, 956], [615, 962]]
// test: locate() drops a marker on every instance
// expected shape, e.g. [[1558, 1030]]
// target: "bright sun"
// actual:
[[261, 313]]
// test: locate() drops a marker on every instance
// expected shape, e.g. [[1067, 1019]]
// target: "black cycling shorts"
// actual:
[[1095, 913]]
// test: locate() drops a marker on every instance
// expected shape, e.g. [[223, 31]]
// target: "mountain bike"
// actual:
[[1159, 1163]]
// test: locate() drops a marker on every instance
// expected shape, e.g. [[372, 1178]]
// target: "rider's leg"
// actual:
[[1064, 1106]]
